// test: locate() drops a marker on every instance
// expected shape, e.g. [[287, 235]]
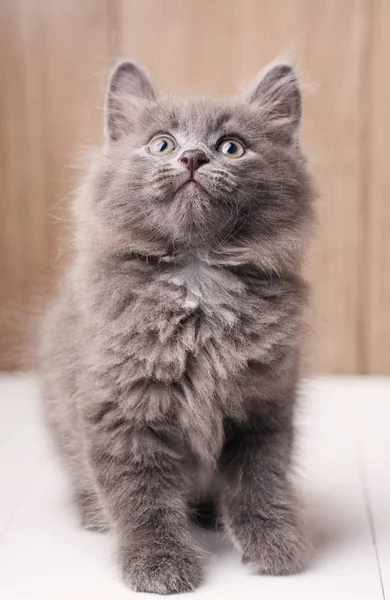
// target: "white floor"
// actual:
[[345, 475]]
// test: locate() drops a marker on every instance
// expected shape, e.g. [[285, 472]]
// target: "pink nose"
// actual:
[[193, 159]]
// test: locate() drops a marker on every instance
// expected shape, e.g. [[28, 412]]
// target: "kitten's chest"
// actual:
[[211, 292], [187, 318]]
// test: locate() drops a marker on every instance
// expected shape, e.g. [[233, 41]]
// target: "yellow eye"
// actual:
[[161, 145], [231, 148]]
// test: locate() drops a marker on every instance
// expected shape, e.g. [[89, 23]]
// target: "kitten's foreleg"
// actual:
[[259, 508], [140, 481]]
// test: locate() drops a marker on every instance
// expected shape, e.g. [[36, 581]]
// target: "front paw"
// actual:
[[172, 569], [277, 548]]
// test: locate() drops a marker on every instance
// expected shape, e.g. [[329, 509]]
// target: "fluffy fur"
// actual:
[[170, 356]]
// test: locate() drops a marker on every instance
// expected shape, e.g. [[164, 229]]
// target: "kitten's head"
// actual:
[[224, 178]]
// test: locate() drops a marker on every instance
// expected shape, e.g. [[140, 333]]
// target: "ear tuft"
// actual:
[[128, 88], [278, 94]]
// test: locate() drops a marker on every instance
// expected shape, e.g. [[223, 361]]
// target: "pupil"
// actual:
[[161, 146], [232, 148]]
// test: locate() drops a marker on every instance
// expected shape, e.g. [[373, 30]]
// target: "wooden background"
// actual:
[[54, 59]]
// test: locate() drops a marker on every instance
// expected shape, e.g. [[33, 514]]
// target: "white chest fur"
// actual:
[[210, 288]]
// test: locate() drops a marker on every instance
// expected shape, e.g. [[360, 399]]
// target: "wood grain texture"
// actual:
[[15, 136], [376, 81], [332, 54], [55, 55], [186, 45]]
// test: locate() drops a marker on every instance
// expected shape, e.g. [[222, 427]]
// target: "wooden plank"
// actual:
[[186, 45], [12, 188], [345, 563], [372, 401], [55, 56], [18, 396], [77, 57], [377, 276]]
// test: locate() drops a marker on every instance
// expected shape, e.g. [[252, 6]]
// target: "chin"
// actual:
[[196, 220], [192, 191]]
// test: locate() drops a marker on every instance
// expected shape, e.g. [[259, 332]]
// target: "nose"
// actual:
[[193, 159]]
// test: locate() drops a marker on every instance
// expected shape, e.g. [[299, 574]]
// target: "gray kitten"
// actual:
[[171, 355]]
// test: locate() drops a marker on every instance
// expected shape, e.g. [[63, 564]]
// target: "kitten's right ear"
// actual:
[[129, 89]]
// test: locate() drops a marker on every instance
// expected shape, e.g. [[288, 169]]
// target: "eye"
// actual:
[[161, 145], [231, 148]]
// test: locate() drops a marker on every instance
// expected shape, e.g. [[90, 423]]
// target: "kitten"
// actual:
[[170, 357]]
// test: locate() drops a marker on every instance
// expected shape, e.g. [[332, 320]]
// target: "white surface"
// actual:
[[345, 474]]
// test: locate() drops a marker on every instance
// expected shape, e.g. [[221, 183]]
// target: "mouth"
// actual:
[[191, 183]]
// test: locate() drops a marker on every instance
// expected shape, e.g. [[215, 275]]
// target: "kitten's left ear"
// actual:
[[129, 89], [279, 97]]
